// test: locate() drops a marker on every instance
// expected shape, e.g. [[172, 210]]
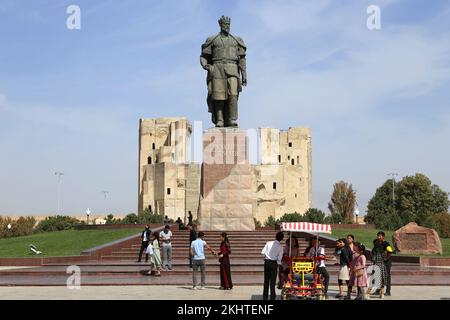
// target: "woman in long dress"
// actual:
[[156, 256], [225, 271]]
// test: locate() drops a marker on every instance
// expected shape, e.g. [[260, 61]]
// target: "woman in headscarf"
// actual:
[[225, 271]]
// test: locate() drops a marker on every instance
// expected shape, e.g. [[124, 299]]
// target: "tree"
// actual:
[[416, 200], [110, 219], [381, 209], [442, 224], [419, 200], [314, 215], [342, 204]]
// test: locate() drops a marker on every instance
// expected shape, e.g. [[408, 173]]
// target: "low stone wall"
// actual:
[[434, 262]]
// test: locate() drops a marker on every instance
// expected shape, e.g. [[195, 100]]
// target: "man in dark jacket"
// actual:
[[145, 239]]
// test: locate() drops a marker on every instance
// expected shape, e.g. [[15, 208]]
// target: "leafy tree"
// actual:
[[442, 224], [381, 209], [110, 219], [314, 215], [416, 199], [342, 204], [419, 200]]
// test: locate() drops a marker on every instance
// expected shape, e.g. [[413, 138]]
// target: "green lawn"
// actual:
[[60, 243], [367, 237]]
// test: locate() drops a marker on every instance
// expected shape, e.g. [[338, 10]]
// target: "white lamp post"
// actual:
[[88, 212], [59, 174]]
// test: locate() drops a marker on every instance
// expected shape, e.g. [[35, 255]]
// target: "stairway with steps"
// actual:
[[120, 267]]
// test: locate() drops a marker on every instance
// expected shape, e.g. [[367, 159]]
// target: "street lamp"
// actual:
[[88, 212], [59, 174], [356, 213], [393, 174], [105, 194]]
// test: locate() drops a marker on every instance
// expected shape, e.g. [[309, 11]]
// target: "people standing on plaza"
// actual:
[[180, 224], [190, 217], [344, 256], [165, 237], [358, 275], [352, 247], [155, 259], [351, 243], [198, 260], [381, 254], [225, 270], [273, 253], [145, 238], [192, 237], [166, 220], [289, 251], [315, 250]]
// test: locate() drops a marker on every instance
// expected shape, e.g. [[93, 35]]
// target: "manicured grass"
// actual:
[[60, 243], [367, 236]]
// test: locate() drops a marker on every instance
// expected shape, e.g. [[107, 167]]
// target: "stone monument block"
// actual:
[[227, 200], [414, 239]]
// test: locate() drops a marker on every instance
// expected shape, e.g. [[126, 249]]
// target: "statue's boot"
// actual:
[[219, 113], [233, 110]]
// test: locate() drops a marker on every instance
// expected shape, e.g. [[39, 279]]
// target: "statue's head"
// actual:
[[224, 23]]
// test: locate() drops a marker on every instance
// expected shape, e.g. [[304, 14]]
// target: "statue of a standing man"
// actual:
[[223, 56]]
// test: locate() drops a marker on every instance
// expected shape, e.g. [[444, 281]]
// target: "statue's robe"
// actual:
[[223, 54]]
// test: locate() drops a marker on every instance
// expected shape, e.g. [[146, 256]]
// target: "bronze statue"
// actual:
[[223, 56]]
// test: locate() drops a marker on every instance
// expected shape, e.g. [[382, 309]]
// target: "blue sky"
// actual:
[[377, 101]]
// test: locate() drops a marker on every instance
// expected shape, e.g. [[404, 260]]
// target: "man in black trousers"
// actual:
[[273, 252], [145, 239]]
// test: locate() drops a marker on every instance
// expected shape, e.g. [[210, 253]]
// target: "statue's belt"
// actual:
[[225, 61]]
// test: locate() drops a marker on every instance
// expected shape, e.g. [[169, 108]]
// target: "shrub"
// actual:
[[57, 223], [257, 223], [147, 216], [292, 217], [23, 226], [270, 222], [130, 218], [314, 215]]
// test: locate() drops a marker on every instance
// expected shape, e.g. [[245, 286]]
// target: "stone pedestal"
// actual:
[[227, 201]]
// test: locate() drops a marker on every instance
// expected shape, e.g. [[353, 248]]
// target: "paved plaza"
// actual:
[[186, 293]]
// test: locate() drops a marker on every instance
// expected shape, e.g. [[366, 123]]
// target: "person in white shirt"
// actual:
[[273, 253], [198, 259], [321, 269], [165, 237]]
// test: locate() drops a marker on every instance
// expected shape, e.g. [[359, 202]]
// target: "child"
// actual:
[[358, 275]]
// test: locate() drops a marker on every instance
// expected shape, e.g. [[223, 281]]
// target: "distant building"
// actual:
[[169, 183]]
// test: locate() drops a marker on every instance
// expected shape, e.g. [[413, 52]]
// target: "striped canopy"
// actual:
[[305, 226]]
